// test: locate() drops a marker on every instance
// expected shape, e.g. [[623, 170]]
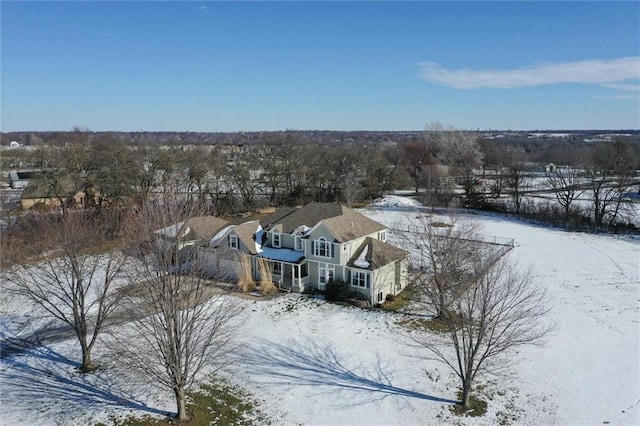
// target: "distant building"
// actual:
[[20, 180]]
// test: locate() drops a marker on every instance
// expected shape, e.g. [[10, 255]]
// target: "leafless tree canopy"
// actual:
[[485, 304], [182, 323], [73, 280], [565, 182], [449, 256]]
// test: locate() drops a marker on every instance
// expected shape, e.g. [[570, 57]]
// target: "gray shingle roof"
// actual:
[[344, 223], [351, 225], [378, 254], [290, 218], [203, 227], [245, 233]]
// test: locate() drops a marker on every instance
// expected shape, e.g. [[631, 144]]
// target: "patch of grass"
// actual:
[[294, 303], [414, 323], [478, 407], [213, 403], [434, 325], [401, 300], [440, 225]]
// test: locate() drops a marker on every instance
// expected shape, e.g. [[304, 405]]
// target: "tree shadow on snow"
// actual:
[[15, 343], [44, 379], [305, 363]]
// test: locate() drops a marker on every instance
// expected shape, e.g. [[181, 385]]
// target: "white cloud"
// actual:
[[623, 87], [204, 10], [596, 71], [617, 97]]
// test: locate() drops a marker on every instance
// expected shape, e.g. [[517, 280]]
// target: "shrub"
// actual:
[[337, 290], [245, 278], [390, 298], [266, 280]]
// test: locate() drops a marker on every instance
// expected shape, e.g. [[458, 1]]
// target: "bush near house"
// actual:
[[337, 291]]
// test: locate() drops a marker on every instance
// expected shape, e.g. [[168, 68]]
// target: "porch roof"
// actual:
[[281, 254]]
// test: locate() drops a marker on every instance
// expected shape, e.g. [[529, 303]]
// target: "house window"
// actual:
[[301, 271], [233, 242], [379, 297], [275, 239], [277, 268], [322, 247], [382, 236], [325, 272], [360, 279], [298, 244]]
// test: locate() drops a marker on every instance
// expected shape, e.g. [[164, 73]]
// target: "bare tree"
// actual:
[[197, 168], [500, 310], [61, 174], [517, 184], [73, 279], [417, 156], [246, 176], [449, 252], [499, 181], [185, 324], [112, 172], [382, 171], [219, 189], [565, 183], [460, 151], [610, 177], [486, 307]]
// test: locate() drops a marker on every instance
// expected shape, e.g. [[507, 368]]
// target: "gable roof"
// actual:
[[289, 219], [245, 233], [344, 223], [351, 225], [203, 227], [377, 254], [270, 219]]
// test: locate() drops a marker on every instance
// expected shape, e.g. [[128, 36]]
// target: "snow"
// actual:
[[395, 201], [215, 240], [282, 254], [258, 238], [172, 230], [319, 363], [361, 261]]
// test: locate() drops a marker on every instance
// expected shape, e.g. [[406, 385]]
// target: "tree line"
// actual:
[[445, 167]]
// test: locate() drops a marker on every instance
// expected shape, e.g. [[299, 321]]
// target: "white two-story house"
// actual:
[[310, 245]]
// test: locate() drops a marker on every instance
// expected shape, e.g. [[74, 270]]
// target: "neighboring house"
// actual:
[[310, 245], [20, 179], [196, 231], [44, 192]]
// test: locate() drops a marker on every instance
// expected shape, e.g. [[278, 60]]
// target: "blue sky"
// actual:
[[246, 66]]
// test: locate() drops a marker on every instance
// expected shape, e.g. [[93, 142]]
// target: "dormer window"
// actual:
[[382, 236], [298, 243], [233, 242], [275, 239]]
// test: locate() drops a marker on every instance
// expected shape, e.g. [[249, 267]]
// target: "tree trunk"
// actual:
[[87, 366], [466, 391], [182, 411]]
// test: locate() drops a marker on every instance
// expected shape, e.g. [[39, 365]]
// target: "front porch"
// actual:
[[291, 276]]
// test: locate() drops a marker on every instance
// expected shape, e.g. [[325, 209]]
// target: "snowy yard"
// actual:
[[317, 363]]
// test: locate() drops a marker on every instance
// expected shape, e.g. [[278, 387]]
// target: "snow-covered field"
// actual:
[[318, 363]]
